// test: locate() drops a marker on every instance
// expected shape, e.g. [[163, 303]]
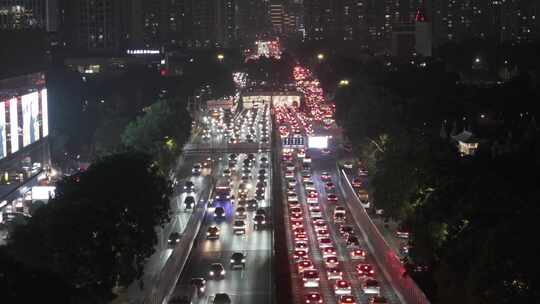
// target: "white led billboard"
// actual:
[[34, 119], [44, 112], [3, 141], [14, 125], [27, 118], [318, 142]]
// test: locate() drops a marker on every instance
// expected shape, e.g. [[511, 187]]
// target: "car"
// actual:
[[196, 170], [322, 233], [313, 297], [377, 300], [334, 273], [356, 182], [364, 270], [219, 213], [332, 198], [371, 286], [252, 204], [325, 176], [310, 186], [291, 182], [331, 261], [312, 197], [189, 187], [301, 245], [339, 218], [295, 210], [174, 238], [260, 211], [189, 202], [259, 194], [328, 252], [240, 213], [311, 278], [352, 241], [212, 233], [342, 287], [315, 211], [296, 217], [306, 177], [325, 151], [199, 283], [300, 254], [300, 237], [346, 299], [242, 202], [297, 223], [346, 230], [362, 172], [239, 227], [292, 198], [299, 230], [221, 298], [329, 186], [303, 265], [347, 164], [289, 174], [301, 153], [402, 233], [238, 260], [325, 242], [358, 254], [259, 221], [307, 159], [216, 270], [290, 167], [319, 223]]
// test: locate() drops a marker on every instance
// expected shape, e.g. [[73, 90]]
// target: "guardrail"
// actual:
[[169, 275], [282, 275], [389, 262]]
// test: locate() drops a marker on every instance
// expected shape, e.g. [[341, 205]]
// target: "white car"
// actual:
[[316, 211], [291, 182], [311, 278], [371, 287], [342, 287]]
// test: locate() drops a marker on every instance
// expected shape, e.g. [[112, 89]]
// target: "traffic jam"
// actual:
[[329, 260]]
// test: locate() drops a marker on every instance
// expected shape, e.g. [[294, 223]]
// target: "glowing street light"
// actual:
[[220, 57], [320, 56], [343, 82]]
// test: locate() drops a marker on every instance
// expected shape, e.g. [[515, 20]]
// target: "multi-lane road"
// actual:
[[253, 283]]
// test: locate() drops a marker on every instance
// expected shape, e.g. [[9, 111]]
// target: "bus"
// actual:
[[222, 193]]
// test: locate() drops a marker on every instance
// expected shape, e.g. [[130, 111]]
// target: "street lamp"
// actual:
[[220, 57], [343, 82], [320, 56]]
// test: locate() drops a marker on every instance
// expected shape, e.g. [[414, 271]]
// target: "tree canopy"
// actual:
[[99, 230]]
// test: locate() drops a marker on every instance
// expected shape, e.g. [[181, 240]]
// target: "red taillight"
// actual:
[[371, 271]]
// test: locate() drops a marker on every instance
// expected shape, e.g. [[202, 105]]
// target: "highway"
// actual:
[[179, 218], [253, 284]]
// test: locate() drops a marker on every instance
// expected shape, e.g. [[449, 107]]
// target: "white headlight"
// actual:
[[222, 272]]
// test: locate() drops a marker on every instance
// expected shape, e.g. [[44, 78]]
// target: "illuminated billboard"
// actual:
[[34, 119], [3, 133], [44, 113], [318, 142], [26, 101], [14, 125]]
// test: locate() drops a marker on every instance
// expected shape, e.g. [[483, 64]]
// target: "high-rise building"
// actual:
[[276, 17], [253, 19], [97, 26], [320, 19], [503, 20], [28, 14]]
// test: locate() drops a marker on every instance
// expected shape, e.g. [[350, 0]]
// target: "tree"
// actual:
[[99, 230], [161, 131], [20, 284]]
